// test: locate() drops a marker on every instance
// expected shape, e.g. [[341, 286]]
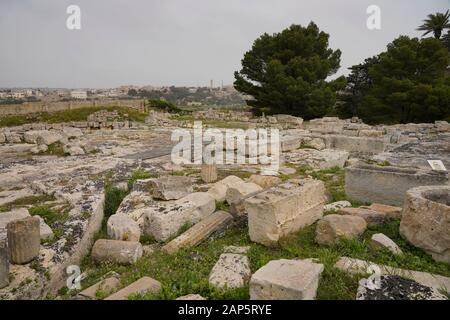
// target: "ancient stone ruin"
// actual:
[[106, 191]]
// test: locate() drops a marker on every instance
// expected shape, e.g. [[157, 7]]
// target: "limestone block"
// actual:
[[122, 227], [71, 132], [32, 136], [334, 227], [48, 137], [380, 240], [170, 187], [264, 181], [73, 150], [45, 231], [391, 212], [337, 205], [217, 221], [219, 190], [141, 286], [372, 217], [286, 280], [164, 220], [236, 193], [426, 220], [284, 209], [388, 185], [106, 286], [317, 144], [230, 271], [121, 252]]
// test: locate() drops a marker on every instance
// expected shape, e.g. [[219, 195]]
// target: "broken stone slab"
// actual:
[[4, 264], [236, 193], [371, 133], [45, 231], [388, 184], [24, 240], [284, 209], [357, 266], [170, 187], [71, 132], [237, 209], [286, 280], [337, 205], [13, 138], [230, 271], [372, 217], [135, 206], [219, 190], [39, 149], [391, 212], [122, 227], [191, 297], [317, 144], [48, 137], [141, 286], [288, 119], [104, 287], [290, 143], [331, 228], [359, 145], [264, 181], [32, 136], [73, 150], [217, 221], [116, 251], [380, 240], [323, 159], [426, 220], [395, 288], [164, 220]]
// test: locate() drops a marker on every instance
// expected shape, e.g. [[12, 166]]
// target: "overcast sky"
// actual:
[[177, 42]]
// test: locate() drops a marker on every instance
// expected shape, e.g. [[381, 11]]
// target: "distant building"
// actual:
[[17, 95], [79, 94]]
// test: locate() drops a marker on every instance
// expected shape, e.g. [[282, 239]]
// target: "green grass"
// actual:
[[49, 215], [53, 219], [139, 174], [79, 114], [188, 270], [26, 201], [222, 206]]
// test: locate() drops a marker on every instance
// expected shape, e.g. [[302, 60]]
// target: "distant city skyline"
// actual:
[[176, 42]]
